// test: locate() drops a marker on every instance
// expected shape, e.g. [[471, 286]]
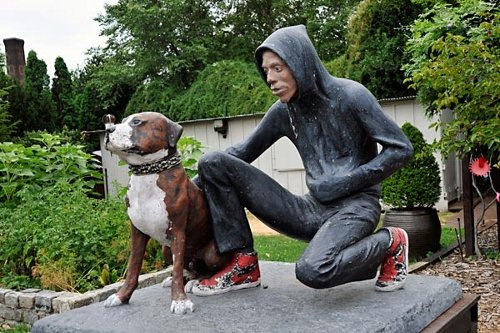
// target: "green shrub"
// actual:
[[337, 67], [154, 96], [31, 168], [418, 183], [225, 88], [191, 151], [60, 238], [56, 236]]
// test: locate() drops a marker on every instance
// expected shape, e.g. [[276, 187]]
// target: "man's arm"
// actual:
[[396, 152], [267, 132]]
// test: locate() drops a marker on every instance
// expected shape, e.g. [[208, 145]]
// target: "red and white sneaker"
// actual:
[[394, 269], [242, 272]]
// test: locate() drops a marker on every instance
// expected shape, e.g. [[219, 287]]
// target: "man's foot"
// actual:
[[240, 273], [394, 269]]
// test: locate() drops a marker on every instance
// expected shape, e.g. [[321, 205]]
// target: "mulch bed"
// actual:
[[477, 276]]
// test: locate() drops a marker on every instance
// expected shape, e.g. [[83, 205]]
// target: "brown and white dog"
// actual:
[[162, 203]]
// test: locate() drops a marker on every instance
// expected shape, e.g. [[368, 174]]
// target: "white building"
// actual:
[[281, 161]]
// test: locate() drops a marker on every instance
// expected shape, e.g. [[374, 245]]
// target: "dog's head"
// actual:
[[143, 138]]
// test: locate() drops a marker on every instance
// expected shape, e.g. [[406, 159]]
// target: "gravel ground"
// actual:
[[477, 276]]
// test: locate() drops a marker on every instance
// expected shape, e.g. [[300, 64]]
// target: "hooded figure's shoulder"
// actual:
[[349, 90]]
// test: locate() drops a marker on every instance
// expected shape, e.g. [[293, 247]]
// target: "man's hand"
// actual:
[[326, 189]]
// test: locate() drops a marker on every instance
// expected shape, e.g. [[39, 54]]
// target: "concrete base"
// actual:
[[282, 304]]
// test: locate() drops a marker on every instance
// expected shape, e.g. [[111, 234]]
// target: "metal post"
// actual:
[[468, 207], [495, 179]]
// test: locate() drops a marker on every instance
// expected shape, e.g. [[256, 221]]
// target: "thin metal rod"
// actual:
[[92, 132]]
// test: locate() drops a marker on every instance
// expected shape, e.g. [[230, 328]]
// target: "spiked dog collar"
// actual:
[[163, 164]]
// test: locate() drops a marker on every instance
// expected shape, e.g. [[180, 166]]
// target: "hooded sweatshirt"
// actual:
[[334, 123]]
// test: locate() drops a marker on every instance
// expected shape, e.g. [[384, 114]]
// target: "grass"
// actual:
[[278, 248], [285, 249], [18, 328], [491, 254], [449, 237]]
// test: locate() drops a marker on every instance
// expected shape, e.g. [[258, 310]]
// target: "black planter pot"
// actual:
[[423, 228]]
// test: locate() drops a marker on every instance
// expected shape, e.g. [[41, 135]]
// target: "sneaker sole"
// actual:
[[209, 292], [398, 284]]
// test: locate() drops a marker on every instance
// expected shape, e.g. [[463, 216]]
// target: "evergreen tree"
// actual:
[[7, 125], [377, 35], [101, 87], [62, 94], [39, 112]]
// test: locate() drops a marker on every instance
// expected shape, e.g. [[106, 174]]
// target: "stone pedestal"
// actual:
[[282, 304]]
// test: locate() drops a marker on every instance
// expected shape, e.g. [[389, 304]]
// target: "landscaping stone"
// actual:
[[61, 302], [282, 304], [30, 316], [31, 304], [11, 299], [27, 301], [9, 313], [2, 294], [43, 300]]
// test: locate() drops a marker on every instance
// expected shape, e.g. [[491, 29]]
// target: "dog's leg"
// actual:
[[212, 258], [180, 303], [167, 254], [139, 241]]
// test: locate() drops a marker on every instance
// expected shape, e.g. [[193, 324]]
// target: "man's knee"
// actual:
[[314, 275], [211, 161]]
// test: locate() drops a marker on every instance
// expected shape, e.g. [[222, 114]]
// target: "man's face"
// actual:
[[279, 76]]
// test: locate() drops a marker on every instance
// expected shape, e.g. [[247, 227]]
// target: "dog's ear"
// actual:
[[174, 133]]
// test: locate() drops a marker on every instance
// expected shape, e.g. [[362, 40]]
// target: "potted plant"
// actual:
[[411, 194]]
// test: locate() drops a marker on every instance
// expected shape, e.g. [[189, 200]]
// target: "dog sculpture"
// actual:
[[162, 203]]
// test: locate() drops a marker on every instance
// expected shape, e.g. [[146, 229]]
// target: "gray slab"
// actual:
[[282, 305]]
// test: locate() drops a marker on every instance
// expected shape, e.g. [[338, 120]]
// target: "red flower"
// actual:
[[498, 196], [480, 167]]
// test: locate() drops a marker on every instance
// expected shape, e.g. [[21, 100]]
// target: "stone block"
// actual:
[[61, 302], [79, 301], [30, 316], [65, 303], [105, 293], [2, 295], [8, 313], [162, 275], [43, 300], [147, 280], [109, 290], [31, 290], [12, 299], [26, 300]]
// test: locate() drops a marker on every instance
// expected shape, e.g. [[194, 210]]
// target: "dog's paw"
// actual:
[[189, 285], [167, 283], [182, 306], [111, 301]]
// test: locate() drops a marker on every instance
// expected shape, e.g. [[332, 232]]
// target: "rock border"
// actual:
[[30, 305]]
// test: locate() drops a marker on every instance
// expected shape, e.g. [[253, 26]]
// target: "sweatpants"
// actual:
[[342, 246]]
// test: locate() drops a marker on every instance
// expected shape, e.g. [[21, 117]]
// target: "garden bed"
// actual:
[[477, 276]]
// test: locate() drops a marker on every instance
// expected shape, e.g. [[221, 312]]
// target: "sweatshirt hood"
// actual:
[[293, 46]]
